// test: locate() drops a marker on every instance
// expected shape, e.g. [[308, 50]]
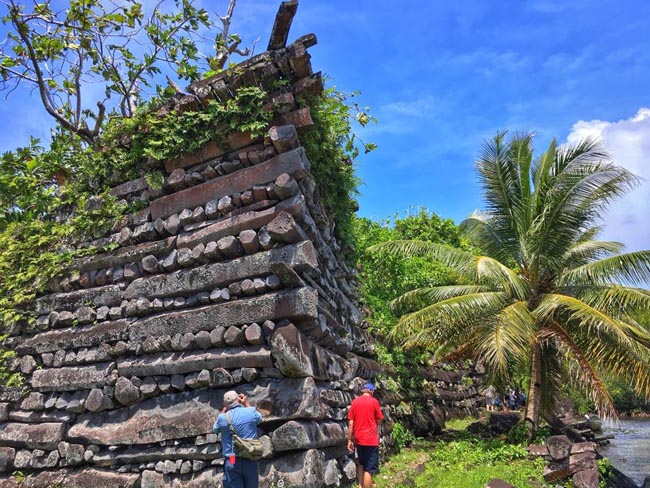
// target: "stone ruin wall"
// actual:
[[229, 279]]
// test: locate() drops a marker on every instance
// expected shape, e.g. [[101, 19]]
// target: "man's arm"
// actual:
[[350, 435], [243, 399], [379, 415]]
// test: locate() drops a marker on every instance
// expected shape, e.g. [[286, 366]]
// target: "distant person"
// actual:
[[497, 402], [490, 396], [364, 417], [522, 398], [238, 472], [512, 399]]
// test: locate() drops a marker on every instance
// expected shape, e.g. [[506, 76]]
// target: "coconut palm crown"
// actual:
[[545, 295]]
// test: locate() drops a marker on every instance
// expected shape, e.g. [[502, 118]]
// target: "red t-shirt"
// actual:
[[365, 413]]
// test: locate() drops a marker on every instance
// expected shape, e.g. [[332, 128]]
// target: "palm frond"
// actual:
[[629, 361], [631, 268], [507, 337], [589, 374], [555, 307], [433, 325], [574, 203], [421, 297], [542, 176], [586, 251], [495, 273], [615, 300], [484, 230], [504, 170], [589, 234]]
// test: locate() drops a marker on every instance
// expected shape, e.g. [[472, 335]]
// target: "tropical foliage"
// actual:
[[385, 277], [545, 294], [113, 51]]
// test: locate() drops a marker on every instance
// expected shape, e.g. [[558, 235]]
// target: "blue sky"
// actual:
[[442, 76]]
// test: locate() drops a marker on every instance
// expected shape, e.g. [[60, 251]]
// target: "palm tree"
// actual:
[[545, 295]]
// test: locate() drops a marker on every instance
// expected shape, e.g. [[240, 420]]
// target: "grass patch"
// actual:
[[459, 423], [465, 461]]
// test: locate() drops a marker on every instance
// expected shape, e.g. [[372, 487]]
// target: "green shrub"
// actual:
[[402, 436]]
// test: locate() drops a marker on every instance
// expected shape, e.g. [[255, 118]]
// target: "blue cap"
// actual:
[[368, 386]]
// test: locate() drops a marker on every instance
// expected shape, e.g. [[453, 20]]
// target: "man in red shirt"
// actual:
[[364, 416]]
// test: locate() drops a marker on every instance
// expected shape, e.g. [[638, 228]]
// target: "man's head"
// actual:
[[368, 388], [230, 398]]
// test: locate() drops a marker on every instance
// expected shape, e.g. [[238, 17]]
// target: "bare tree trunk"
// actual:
[[534, 391]]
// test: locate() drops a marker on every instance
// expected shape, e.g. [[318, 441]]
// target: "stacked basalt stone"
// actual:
[[229, 279]]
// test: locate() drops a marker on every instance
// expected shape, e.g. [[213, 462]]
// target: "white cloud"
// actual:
[[628, 141]]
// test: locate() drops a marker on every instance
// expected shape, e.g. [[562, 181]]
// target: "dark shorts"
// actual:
[[369, 458]]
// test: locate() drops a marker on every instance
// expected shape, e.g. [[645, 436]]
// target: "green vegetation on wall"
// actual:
[[332, 146]]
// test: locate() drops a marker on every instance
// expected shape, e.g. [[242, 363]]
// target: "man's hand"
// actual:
[[351, 446], [243, 400]]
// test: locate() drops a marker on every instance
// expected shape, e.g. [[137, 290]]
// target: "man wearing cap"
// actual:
[[237, 471], [363, 418]]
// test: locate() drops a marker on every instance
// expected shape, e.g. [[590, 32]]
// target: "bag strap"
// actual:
[[232, 428]]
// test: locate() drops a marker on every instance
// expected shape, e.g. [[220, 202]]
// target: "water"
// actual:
[[629, 451]]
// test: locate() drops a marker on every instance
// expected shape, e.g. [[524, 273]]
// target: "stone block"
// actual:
[[297, 356], [582, 461], [126, 392], [85, 315], [27, 364], [300, 118], [172, 224], [41, 459], [249, 241], [122, 256], [293, 162], [32, 436], [108, 295], [254, 335], [97, 401], [229, 247], [210, 151], [299, 304], [299, 434], [303, 469], [309, 86], [202, 339], [7, 455], [556, 471], [286, 186], [537, 451], [187, 362], [234, 337], [72, 378], [283, 228], [284, 138], [559, 447], [588, 478], [129, 187], [72, 454], [580, 447], [81, 479]]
